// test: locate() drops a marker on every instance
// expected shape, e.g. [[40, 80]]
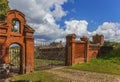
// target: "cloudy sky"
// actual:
[[54, 19]]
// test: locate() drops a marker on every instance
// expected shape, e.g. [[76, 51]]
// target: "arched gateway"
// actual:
[[14, 30]]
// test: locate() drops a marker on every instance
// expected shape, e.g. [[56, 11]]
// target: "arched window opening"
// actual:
[[15, 25]]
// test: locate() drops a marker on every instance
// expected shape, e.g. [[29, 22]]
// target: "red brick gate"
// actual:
[[15, 30], [79, 51]]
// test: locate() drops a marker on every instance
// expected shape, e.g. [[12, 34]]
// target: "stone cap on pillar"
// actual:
[[70, 38], [71, 35]]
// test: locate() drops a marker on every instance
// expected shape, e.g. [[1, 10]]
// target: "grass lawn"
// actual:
[[39, 76], [106, 63]]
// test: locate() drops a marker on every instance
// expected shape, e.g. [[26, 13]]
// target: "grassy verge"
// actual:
[[99, 65], [107, 63], [38, 77]]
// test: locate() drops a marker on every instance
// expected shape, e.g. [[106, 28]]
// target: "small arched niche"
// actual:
[[15, 25]]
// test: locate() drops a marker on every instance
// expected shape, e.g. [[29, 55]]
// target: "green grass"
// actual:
[[39, 76], [106, 63]]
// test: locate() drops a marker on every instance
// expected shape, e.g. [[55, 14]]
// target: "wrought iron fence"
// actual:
[[14, 60], [48, 55]]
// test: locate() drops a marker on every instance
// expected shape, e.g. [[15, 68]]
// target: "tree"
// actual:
[[4, 7]]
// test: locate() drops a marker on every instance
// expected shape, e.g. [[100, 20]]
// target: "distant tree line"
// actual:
[[15, 47], [117, 44]]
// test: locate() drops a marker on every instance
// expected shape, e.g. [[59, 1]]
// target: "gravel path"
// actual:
[[83, 76]]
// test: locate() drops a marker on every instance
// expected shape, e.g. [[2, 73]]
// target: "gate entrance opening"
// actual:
[[15, 58], [15, 30], [49, 55]]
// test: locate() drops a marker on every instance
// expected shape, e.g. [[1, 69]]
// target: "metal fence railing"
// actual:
[[48, 55]]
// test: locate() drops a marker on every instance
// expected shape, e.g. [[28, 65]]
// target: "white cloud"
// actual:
[[58, 12], [110, 30], [43, 14], [77, 26], [40, 16]]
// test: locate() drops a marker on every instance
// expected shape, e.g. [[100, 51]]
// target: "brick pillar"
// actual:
[[22, 64], [98, 39], [5, 54], [70, 46], [101, 40], [86, 55], [2, 54], [29, 59]]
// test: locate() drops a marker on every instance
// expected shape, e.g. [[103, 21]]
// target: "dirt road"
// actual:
[[83, 76], [72, 75]]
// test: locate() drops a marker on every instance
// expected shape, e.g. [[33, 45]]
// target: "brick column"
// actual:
[[5, 54], [70, 44], [86, 55], [2, 54], [29, 59], [22, 64]]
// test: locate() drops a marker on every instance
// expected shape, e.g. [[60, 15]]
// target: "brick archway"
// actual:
[[24, 37], [15, 57]]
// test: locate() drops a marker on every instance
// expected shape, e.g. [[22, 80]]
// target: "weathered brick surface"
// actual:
[[98, 39], [24, 38], [82, 51]]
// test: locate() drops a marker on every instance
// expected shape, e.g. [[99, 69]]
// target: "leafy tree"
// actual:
[[4, 7]]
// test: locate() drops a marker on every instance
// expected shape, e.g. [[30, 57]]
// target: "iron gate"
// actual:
[[48, 55], [14, 59]]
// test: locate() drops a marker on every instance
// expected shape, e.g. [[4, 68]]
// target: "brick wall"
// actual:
[[80, 51], [93, 51]]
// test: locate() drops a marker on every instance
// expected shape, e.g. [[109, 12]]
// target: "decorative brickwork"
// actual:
[[9, 34], [81, 51]]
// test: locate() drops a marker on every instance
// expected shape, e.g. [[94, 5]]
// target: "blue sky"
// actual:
[[54, 19], [94, 11]]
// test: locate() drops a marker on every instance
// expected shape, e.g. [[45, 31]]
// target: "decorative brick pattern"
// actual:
[[24, 38]]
